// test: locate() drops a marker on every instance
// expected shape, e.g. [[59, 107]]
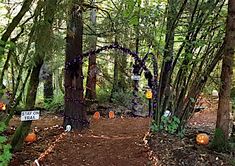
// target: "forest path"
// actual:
[[108, 142]]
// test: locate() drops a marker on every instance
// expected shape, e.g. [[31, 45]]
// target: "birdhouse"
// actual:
[[202, 139]]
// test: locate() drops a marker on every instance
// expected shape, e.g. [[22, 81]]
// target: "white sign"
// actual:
[[135, 77], [30, 115]]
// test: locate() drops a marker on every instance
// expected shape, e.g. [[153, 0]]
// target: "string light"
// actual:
[[71, 68]]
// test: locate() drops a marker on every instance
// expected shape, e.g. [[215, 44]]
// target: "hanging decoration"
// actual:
[[139, 65]]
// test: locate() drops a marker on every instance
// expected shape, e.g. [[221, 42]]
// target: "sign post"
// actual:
[[149, 96], [29, 115]]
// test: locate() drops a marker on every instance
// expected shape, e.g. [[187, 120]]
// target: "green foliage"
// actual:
[[219, 142], [103, 94], [56, 104], [122, 98], [232, 162], [5, 154], [168, 124]]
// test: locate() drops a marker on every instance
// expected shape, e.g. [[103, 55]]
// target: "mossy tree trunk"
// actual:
[[24, 128], [75, 113], [42, 30], [224, 107]]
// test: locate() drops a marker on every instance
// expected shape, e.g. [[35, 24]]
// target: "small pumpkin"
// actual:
[[2, 106], [202, 139], [96, 115], [31, 137], [111, 115]]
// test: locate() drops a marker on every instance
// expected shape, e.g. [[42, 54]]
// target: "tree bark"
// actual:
[[48, 87], [41, 38], [224, 107], [75, 114], [24, 128], [92, 67]]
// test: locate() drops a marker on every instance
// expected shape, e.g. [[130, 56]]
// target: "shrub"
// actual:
[[5, 154]]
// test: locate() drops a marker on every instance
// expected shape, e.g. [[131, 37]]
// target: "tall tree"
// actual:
[[75, 114], [224, 107], [43, 26], [11, 27], [92, 67]]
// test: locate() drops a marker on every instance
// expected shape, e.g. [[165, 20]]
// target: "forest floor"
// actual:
[[123, 141]]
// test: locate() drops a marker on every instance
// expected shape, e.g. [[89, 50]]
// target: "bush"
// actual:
[[56, 105], [122, 98], [103, 94], [5, 154]]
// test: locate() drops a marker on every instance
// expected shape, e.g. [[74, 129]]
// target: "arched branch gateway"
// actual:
[[79, 120]]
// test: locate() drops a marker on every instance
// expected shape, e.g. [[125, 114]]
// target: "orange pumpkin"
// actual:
[[202, 139], [2, 106], [31, 137], [96, 115], [111, 114]]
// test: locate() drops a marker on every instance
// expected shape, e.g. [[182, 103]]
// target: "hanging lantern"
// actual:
[[202, 139], [149, 94]]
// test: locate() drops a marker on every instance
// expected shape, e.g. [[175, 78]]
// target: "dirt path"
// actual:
[[108, 142]]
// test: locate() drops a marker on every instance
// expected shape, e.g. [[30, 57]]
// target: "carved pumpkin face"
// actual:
[[31, 137], [202, 139], [2, 106], [111, 114], [96, 115]]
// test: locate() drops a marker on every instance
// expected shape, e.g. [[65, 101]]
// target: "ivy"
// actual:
[[168, 124]]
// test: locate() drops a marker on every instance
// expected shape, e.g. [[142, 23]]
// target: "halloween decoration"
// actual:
[[2, 106], [202, 139], [31, 137], [149, 94], [111, 115], [96, 115]]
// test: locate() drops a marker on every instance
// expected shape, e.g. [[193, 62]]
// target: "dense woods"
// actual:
[[65, 56]]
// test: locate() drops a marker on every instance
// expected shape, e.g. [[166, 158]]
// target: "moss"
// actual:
[[219, 142], [232, 162]]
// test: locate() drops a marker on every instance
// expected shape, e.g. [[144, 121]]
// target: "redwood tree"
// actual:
[[224, 108], [92, 68], [75, 114]]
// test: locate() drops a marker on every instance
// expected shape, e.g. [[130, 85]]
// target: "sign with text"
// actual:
[[29, 115], [135, 77]]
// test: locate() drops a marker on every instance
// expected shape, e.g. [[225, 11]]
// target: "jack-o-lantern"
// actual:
[[202, 139], [2, 106], [96, 115], [31, 137]]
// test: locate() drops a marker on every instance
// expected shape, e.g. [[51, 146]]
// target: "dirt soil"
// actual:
[[119, 142]]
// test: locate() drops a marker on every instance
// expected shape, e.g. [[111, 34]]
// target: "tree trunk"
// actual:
[[75, 114], [115, 73], [224, 107], [41, 37], [167, 61], [48, 87], [92, 67], [5, 36], [24, 128]]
